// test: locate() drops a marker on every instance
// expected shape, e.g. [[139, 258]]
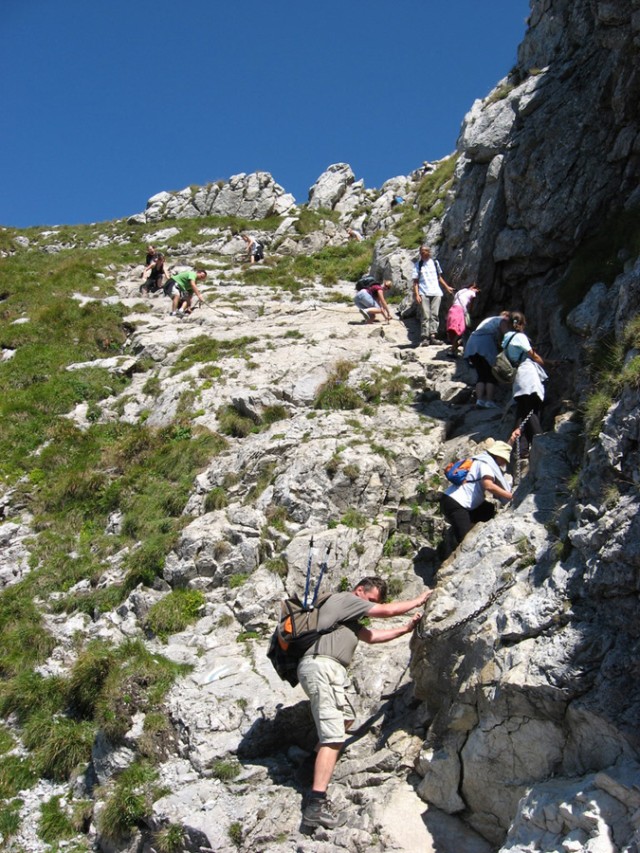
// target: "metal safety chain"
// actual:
[[430, 633], [517, 470]]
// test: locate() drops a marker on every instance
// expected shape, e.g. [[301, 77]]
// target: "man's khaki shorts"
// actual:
[[325, 682]]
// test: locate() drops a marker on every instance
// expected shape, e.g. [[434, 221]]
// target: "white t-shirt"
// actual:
[[471, 493], [427, 275]]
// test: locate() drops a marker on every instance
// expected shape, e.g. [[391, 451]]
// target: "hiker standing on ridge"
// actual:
[[323, 675], [181, 288], [428, 286], [254, 247]]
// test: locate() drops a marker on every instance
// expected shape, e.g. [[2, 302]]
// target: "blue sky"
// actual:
[[107, 102]]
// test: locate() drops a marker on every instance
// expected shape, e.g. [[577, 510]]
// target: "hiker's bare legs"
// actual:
[[326, 760]]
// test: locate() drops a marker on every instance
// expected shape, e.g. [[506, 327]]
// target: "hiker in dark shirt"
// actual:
[[323, 675], [157, 274]]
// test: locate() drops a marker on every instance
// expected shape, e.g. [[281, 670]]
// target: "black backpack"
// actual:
[[296, 632], [364, 282]]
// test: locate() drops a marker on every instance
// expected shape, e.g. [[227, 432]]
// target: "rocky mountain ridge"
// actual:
[[521, 721]]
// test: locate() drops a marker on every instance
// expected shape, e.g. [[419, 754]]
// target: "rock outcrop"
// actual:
[[254, 196], [538, 173], [514, 725]]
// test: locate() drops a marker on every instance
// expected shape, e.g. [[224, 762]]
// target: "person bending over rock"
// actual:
[[157, 273], [481, 351], [323, 676], [181, 288], [465, 505], [254, 248], [370, 301]]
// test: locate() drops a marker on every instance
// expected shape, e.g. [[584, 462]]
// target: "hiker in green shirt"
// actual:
[[181, 288]]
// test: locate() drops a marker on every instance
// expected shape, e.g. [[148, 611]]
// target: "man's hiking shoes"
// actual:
[[317, 812]]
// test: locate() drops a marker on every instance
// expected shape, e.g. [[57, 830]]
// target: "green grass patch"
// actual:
[[16, 774], [169, 839], [205, 349], [430, 204], [226, 770], [398, 545], [129, 801], [354, 518], [7, 741], [85, 476], [9, 820], [54, 824], [174, 612], [335, 393], [216, 499]]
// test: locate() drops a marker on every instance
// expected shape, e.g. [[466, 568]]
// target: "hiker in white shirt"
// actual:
[[428, 286]]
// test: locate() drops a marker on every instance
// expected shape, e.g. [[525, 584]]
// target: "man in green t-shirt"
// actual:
[[181, 288], [322, 673]]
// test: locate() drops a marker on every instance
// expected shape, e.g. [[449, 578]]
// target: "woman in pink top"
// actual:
[[458, 314]]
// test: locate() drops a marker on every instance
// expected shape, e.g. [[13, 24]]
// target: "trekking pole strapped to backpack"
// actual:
[[323, 569], [308, 578], [297, 629]]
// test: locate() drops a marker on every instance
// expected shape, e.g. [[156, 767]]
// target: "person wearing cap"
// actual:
[[465, 505]]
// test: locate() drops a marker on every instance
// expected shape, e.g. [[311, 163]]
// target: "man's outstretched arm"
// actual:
[[384, 635], [398, 608]]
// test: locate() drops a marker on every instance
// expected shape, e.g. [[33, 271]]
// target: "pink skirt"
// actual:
[[455, 320]]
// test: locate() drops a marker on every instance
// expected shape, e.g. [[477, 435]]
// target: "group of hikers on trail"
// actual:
[[499, 340], [322, 669], [183, 286], [180, 287], [325, 650]]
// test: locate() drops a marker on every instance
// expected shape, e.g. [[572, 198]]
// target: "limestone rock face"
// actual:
[[537, 681], [253, 196], [331, 186], [514, 724], [529, 190]]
